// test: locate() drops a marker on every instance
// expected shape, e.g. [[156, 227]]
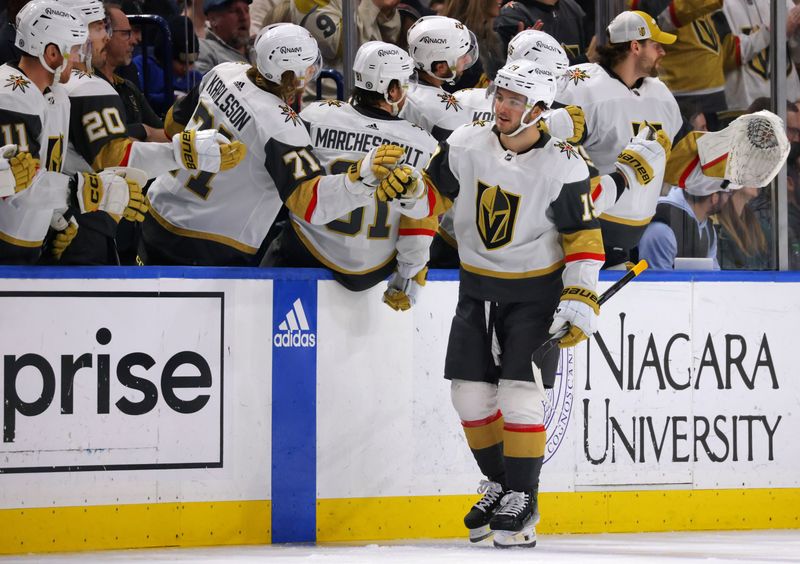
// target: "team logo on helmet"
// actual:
[[17, 81], [496, 214], [567, 149], [290, 114], [449, 101], [576, 75]]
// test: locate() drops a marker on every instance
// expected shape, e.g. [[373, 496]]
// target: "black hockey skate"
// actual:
[[514, 522], [477, 520]]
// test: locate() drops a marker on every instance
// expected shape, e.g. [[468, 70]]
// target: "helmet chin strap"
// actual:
[[55, 72], [523, 125], [395, 105]]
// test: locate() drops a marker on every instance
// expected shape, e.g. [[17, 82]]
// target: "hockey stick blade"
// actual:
[[638, 268]]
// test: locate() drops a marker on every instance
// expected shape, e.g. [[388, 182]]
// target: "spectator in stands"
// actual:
[[8, 52], [437, 6], [142, 122], [479, 16], [259, 11], [749, 80], [563, 19], [193, 11], [377, 20], [228, 35], [742, 240], [185, 49], [682, 226]]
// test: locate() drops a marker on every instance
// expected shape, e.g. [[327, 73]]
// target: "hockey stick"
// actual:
[[640, 267]]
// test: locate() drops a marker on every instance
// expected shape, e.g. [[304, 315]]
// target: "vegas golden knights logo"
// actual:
[[55, 153], [496, 215], [706, 34]]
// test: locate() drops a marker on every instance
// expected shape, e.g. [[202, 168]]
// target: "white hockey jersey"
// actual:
[[615, 112], [435, 110], [368, 238], [751, 80], [519, 218], [38, 123], [232, 211]]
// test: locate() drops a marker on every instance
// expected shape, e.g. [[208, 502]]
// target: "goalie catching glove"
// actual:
[[402, 293], [645, 157], [207, 151], [110, 192], [376, 165], [16, 170], [575, 319]]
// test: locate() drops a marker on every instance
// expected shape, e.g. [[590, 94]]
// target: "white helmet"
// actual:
[[42, 22], [377, 64], [533, 79], [285, 47], [535, 45], [433, 39], [89, 10]]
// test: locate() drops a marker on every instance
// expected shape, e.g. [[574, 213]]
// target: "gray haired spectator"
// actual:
[[228, 35]]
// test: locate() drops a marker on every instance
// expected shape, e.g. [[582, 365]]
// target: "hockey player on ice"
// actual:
[[222, 219], [531, 250], [376, 240]]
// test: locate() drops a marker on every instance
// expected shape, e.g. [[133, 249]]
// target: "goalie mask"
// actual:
[[42, 22], [753, 147], [377, 64], [285, 47], [534, 45], [438, 39], [533, 80]]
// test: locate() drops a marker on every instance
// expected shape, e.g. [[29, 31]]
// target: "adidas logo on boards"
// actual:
[[239, 85], [294, 330], [372, 126]]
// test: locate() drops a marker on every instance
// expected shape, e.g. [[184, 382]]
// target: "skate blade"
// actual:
[[526, 538], [480, 533]]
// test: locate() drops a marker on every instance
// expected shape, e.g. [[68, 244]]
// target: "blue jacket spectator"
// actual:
[[185, 49]]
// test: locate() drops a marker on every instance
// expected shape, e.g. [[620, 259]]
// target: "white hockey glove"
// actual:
[[645, 157], [135, 178], [401, 293], [16, 170], [207, 150], [66, 230], [575, 319], [109, 192], [365, 175], [568, 123]]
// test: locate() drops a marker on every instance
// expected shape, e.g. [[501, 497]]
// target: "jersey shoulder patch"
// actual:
[[450, 101], [567, 150]]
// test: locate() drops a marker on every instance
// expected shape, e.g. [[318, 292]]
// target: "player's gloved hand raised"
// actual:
[[401, 293], [575, 319], [645, 157], [16, 170], [568, 123], [207, 150], [66, 230], [403, 183], [376, 165]]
